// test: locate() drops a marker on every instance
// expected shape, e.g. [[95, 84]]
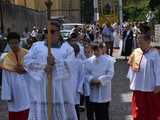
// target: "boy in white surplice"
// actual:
[[15, 80], [99, 72]]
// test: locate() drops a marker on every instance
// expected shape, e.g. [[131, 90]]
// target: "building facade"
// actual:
[[70, 9]]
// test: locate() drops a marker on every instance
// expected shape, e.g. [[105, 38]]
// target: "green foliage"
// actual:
[[155, 6], [136, 10], [135, 14]]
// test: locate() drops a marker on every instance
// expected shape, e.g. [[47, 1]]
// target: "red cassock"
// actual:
[[145, 106], [22, 115]]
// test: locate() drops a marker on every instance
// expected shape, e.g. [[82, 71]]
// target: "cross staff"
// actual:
[[49, 74]]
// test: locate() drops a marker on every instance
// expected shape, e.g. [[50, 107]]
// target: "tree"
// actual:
[[154, 4], [136, 10]]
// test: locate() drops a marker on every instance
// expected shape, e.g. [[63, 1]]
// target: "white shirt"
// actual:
[[149, 75], [101, 68]]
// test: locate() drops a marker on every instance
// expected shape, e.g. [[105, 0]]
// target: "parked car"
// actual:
[[65, 34], [70, 26]]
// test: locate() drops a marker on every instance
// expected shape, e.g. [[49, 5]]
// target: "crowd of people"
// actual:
[[83, 65]]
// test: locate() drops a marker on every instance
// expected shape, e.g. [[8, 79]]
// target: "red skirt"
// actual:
[[22, 115], [145, 106]]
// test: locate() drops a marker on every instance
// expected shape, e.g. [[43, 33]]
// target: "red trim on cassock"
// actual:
[[145, 106], [22, 115]]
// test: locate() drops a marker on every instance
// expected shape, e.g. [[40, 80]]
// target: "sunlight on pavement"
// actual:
[[126, 97], [128, 117]]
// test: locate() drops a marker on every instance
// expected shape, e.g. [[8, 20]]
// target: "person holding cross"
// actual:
[[38, 64]]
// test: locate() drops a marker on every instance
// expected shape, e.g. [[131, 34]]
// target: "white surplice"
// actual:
[[15, 91], [81, 54], [77, 70], [62, 101], [149, 74], [85, 85], [100, 68], [68, 51]]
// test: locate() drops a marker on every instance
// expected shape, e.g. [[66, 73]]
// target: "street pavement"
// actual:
[[121, 95]]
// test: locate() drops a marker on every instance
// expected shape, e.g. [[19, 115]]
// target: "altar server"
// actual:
[[144, 78], [100, 71], [77, 70], [15, 80]]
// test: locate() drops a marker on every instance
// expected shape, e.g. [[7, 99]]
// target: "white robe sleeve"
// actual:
[[109, 74], [81, 79], [33, 64], [156, 65], [68, 51], [130, 74], [6, 92], [89, 76]]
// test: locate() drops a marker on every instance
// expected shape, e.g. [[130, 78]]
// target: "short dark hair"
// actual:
[[73, 35], [87, 45], [95, 46], [102, 45], [13, 35], [144, 28], [56, 24], [146, 36], [145, 32], [75, 48]]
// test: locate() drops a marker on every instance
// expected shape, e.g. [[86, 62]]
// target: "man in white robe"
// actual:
[[36, 65]]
